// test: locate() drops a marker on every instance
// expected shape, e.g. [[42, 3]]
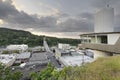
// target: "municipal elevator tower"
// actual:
[[104, 20]]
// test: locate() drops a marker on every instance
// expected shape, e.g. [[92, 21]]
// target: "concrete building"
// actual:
[[104, 20], [39, 59], [103, 28], [67, 58], [107, 48], [37, 49], [75, 59], [7, 59], [22, 57], [21, 48], [100, 38], [63, 46], [104, 39], [60, 52]]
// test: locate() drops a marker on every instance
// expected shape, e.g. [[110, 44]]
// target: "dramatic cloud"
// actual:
[[22, 20], [76, 25], [45, 16], [10, 15]]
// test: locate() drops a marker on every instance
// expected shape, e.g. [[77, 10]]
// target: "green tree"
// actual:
[[45, 74], [10, 36], [6, 74]]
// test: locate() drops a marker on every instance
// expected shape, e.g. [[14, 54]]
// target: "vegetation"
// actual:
[[10, 51], [101, 69], [5, 52], [5, 74], [45, 74], [9, 36]]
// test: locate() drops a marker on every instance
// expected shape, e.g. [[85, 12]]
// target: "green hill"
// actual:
[[10, 36]]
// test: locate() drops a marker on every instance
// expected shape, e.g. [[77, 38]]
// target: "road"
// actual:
[[53, 60], [51, 55]]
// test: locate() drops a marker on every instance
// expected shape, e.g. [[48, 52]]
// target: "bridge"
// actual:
[[47, 49], [50, 55]]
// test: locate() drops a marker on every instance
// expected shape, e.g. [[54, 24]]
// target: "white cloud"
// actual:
[[39, 8], [42, 17], [1, 21], [74, 35]]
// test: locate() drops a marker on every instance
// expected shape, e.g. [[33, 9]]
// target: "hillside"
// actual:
[[102, 69], [10, 36]]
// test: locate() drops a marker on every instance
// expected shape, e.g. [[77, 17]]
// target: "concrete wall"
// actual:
[[112, 38], [22, 47], [98, 54], [93, 40], [57, 54], [63, 46]]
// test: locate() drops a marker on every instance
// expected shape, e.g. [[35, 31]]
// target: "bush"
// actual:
[[6, 74], [5, 52], [102, 69]]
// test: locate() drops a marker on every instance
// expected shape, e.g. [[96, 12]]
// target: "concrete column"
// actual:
[[87, 39], [96, 39], [82, 39]]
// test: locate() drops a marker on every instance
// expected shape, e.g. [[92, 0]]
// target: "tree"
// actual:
[[6, 74], [45, 74], [9, 36]]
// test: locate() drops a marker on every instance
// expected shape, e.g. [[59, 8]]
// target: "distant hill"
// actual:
[[11, 36]]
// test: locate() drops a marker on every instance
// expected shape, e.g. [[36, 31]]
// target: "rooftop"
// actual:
[[101, 33], [39, 56], [23, 55], [75, 60], [6, 58], [63, 51]]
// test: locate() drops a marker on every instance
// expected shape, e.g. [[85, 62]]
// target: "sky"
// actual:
[[59, 18]]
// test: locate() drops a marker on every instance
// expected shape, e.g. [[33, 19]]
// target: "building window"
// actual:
[[104, 39]]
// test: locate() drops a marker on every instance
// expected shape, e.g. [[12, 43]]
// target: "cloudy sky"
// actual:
[[60, 18]]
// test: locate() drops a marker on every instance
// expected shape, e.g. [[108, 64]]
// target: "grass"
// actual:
[[107, 68], [102, 69]]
